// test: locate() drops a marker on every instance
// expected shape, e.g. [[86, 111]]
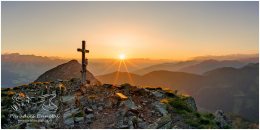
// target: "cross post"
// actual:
[[84, 62]]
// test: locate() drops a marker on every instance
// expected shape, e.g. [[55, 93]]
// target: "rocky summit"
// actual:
[[66, 71], [67, 104]]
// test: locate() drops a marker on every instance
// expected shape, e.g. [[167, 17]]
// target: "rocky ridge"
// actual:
[[103, 107]]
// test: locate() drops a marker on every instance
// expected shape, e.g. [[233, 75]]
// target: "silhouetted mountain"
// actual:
[[240, 57], [173, 66], [21, 69], [233, 90], [208, 65], [66, 71], [194, 66]]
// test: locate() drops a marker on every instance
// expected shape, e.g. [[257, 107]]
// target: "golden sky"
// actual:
[[156, 30]]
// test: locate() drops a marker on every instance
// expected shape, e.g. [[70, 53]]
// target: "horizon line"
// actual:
[[136, 58]]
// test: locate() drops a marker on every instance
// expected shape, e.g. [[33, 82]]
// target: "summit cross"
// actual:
[[84, 62]]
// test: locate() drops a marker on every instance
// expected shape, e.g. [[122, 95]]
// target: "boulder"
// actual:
[[163, 122], [89, 118], [121, 96], [130, 122], [152, 126], [158, 94], [88, 110], [79, 119], [166, 126], [107, 85], [69, 121], [129, 104], [120, 118], [191, 102], [222, 119], [142, 125], [160, 107]]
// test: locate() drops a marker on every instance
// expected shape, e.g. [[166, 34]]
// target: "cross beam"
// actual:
[[84, 62]]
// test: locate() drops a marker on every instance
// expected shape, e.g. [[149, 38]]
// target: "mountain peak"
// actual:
[[73, 62], [66, 71]]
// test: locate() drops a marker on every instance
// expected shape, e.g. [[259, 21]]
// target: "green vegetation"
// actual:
[[178, 103], [191, 117], [200, 120]]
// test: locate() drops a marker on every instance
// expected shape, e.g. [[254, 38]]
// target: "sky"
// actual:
[[155, 30]]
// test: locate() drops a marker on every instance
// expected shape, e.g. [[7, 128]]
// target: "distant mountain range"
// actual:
[[18, 69], [240, 57], [196, 66], [21, 69], [231, 89]]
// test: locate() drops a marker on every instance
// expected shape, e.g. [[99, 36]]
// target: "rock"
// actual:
[[42, 127], [130, 122], [111, 102], [107, 85], [160, 107], [141, 92], [222, 119], [142, 125], [108, 103], [79, 119], [191, 102], [123, 127], [23, 126], [88, 110], [166, 126], [171, 94], [126, 88], [68, 99], [155, 89], [94, 107], [130, 113], [69, 121], [163, 120], [120, 118], [152, 126], [157, 94], [89, 118], [181, 125], [129, 103], [121, 96], [100, 108]]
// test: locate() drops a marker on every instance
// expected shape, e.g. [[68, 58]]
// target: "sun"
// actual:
[[122, 56]]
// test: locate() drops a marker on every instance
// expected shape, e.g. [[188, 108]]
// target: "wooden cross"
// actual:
[[84, 62]]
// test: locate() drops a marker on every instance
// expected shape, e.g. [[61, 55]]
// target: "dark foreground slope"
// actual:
[[105, 106]]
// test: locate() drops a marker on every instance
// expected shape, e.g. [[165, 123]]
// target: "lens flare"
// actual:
[[122, 56]]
